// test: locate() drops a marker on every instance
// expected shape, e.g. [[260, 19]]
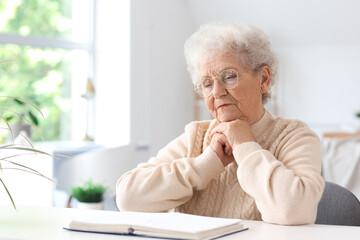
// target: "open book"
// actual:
[[162, 225]]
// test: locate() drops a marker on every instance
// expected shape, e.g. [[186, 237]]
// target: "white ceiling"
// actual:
[[289, 22]]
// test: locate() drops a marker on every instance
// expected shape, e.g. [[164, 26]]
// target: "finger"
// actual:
[[217, 145], [228, 149], [224, 142], [219, 138], [217, 130]]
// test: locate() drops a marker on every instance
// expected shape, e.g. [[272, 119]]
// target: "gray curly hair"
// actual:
[[250, 43]]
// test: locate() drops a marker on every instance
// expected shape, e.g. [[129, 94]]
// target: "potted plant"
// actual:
[[89, 195], [357, 115]]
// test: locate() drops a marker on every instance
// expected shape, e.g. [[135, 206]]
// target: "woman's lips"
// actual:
[[223, 106]]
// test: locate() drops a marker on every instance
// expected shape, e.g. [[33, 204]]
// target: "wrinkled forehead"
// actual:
[[213, 63]]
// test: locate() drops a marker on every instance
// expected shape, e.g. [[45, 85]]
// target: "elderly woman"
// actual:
[[246, 163]]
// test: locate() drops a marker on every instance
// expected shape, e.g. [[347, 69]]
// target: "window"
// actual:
[[52, 42]]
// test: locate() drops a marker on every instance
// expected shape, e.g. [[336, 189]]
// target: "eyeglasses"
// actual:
[[228, 78]]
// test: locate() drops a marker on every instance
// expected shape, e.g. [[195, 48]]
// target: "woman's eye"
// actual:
[[207, 83], [230, 79]]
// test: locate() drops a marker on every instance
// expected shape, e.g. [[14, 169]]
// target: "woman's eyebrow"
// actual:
[[213, 73]]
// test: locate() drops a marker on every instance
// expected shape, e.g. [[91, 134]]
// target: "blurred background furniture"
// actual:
[[340, 134], [103, 165], [338, 206], [341, 160]]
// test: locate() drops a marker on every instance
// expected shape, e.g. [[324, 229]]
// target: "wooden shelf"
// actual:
[[340, 134]]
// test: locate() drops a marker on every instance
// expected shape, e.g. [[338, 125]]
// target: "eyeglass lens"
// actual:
[[228, 79]]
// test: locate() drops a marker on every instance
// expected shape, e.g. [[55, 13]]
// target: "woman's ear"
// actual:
[[265, 79]]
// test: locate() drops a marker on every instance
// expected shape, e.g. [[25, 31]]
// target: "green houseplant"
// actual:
[[11, 151], [20, 116], [89, 195], [26, 113], [357, 115]]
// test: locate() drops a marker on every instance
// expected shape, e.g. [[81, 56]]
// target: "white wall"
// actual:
[[318, 45], [316, 42], [161, 90], [319, 84], [112, 75]]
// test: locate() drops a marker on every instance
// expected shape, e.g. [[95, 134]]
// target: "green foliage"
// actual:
[[17, 166], [39, 81], [2, 5], [21, 149], [50, 18], [357, 114], [38, 75], [25, 112], [89, 192]]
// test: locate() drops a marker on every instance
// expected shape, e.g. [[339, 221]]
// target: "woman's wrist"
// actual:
[[208, 165]]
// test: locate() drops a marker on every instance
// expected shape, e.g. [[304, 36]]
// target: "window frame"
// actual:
[[57, 43]]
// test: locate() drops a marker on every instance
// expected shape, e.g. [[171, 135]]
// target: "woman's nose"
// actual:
[[218, 89]]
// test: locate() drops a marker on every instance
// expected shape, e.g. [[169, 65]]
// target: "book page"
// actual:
[[179, 222], [119, 222], [158, 224]]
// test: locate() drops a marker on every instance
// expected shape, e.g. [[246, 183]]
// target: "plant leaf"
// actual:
[[23, 166], [12, 156], [9, 118], [32, 171], [89, 192], [6, 146], [28, 141], [33, 118], [18, 101], [9, 60], [24, 101], [22, 117], [12, 146], [12, 200], [9, 128]]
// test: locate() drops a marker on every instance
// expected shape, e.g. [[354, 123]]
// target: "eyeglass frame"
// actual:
[[199, 86]]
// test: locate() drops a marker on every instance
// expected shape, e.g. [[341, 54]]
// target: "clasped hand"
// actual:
[[226, 136]]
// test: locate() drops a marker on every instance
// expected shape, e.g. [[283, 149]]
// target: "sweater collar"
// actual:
[[261, 127]]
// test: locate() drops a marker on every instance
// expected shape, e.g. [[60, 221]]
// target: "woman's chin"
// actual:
[[226, 118], [230, 116]]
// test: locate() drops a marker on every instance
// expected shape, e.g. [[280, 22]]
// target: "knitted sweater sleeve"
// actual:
[[286, 183], [167, 180]]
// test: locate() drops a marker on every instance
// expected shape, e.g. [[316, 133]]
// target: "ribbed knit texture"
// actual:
[[275, 179], [223, 196]]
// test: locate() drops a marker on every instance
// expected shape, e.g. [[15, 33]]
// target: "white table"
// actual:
[[40, 223]]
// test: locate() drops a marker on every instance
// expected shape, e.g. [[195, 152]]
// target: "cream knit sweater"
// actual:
[[275, 179]]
